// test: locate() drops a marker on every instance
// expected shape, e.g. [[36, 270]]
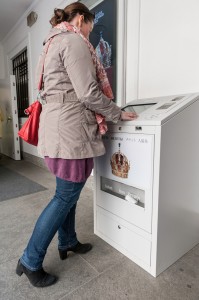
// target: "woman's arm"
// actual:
[[81, 71]]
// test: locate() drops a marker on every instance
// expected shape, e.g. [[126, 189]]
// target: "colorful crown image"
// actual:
[[103, 51], [120, 164]]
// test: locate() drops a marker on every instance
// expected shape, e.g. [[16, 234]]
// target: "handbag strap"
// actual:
[[40, 84]]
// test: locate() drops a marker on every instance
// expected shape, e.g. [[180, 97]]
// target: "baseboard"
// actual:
[[38, 161]]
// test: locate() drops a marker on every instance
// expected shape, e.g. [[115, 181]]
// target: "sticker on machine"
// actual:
[[129, 158], [120, 165]]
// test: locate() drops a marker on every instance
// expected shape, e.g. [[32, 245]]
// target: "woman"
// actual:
[[1, 130], [77, 95]]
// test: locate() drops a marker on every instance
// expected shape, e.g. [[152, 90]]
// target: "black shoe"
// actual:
[[78, 248], [37, 278]]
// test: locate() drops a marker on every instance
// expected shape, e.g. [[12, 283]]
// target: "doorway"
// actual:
[[20, 70], [10, 145]]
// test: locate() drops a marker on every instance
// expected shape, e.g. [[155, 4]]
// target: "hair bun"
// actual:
[[59, 16], [69, 12], [58, 12]]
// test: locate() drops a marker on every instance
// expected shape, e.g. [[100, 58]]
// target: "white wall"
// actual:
[[132, 49], [2, 66], [168, 59], [169, 47]]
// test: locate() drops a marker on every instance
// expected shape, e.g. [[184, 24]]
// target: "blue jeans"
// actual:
[[59, 215]]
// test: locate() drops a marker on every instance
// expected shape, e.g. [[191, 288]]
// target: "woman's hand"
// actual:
[[128, 116]]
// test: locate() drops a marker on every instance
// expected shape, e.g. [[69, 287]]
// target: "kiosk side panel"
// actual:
[[178, 223]]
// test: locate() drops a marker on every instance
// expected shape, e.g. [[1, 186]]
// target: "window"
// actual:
[[20, 70]]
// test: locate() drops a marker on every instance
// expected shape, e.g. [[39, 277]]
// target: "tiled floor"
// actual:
[[102, 274]]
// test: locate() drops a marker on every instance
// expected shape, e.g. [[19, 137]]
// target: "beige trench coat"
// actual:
[[1, 120], [68, 127]]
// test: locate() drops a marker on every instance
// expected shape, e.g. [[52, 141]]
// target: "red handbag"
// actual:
[[29, 131]]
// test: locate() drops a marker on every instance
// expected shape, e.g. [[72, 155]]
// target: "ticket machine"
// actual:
[[147, 184]]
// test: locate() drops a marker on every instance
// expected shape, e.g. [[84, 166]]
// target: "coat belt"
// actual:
[[61, 98]]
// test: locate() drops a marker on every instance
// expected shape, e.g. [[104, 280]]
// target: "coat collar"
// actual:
[[52, 33]]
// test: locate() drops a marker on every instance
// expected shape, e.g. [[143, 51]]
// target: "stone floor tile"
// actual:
[[72, 273], [127, 281], [101, 274]]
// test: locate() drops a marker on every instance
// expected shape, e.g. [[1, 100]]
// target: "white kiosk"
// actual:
[[147, 184]]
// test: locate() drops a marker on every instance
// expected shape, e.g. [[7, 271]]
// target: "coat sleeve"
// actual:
[[1, 115], [79, 66]]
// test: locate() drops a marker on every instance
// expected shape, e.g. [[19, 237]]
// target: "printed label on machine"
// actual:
[[128, 159]]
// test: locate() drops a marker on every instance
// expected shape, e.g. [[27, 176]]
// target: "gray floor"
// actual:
[[103, 273]]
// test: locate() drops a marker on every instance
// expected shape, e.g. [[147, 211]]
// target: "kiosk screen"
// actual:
[[139, 108]]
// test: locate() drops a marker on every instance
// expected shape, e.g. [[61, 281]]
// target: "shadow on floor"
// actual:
[[102, 274]]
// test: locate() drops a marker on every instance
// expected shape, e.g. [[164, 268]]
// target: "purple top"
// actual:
[[75, 170]]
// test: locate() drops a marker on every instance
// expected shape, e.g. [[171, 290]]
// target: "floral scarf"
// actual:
[[102, 78]]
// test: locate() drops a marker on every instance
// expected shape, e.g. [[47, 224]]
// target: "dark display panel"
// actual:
[[138, 108], [103, 38]]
